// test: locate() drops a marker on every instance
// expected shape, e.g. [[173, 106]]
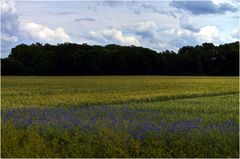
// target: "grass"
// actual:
[[120, 116]]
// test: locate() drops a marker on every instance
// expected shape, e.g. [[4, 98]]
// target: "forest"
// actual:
[[70, 59]]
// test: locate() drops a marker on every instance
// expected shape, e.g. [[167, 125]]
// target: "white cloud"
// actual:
[[212, 34], [41, 32], [9, 38], [14, 32], [8, 6], [235, 33], [218, 2], [178, 37], [186, 23], [148, 33], [146, 29], [118, 35], [208, 33], [146, 26], [114, 35]]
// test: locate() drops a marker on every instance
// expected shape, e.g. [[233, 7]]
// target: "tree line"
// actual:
[[83, 59]]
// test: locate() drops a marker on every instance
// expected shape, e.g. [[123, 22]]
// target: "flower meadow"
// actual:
[[144, 118]]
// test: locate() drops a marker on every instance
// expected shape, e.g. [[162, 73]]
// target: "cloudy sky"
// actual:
[[158, 25]]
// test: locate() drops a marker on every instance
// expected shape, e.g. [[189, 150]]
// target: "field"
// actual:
[[120, 116]]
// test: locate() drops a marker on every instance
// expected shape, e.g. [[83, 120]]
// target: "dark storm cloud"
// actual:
[[9, 30], [203, 7], [65, 13], [85, 19], [156, 10]]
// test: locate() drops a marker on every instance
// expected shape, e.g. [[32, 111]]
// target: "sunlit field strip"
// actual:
[[78, 91]]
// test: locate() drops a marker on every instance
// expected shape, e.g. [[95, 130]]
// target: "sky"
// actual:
[[158, 25]]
